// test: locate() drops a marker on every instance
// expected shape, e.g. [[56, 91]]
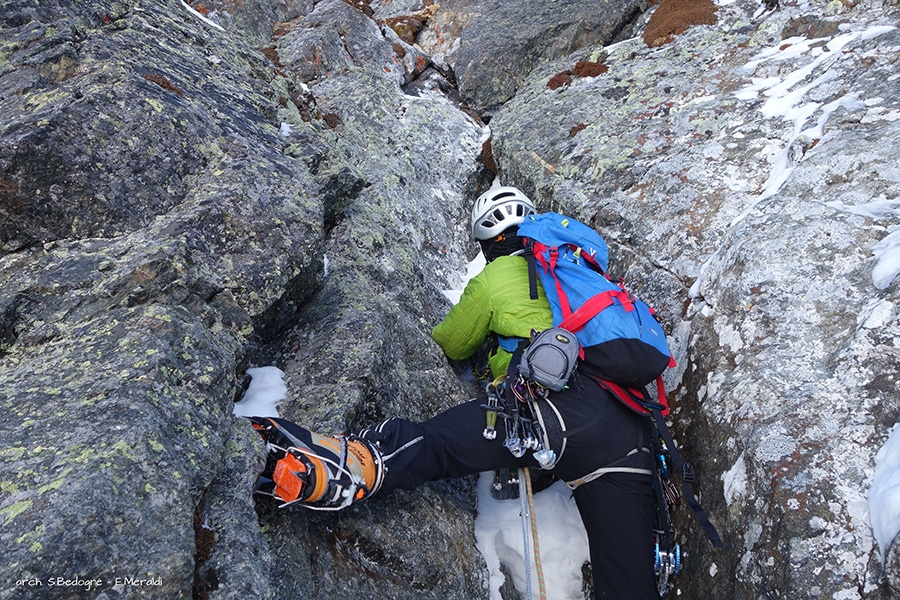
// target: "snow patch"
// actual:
[[729, 337], [884, 493], [784, 98], [876, 314], [266, 390], [200, 16], [849, 594], [472, 269], [879, 209], [561, 536], [880, 114], [735, 481], [887, 251]]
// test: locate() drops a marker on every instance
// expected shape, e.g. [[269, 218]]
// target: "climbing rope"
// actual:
[[526, 496], [526, 520], [542, 588]]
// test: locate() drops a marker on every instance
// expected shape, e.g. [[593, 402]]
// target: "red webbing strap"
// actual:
[[636, 399], [589, 258], [537, 249], [563, 298], [592, 307], [550, 266], [626, 396], [565, 309], [661, 392]]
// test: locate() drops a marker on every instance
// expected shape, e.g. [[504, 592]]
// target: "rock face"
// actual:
[[493, 45], [188, 190], [761, 207]]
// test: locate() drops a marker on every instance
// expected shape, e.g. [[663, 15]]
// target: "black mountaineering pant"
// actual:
[[617, 508]]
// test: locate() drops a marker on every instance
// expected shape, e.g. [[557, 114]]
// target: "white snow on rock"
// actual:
[[266, 390], [561, 538], [735, 481], [884, 494]]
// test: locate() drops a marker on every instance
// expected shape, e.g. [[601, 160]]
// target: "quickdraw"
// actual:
[[523, 429]]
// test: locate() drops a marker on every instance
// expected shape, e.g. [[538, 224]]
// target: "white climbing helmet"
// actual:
[[498, 209]]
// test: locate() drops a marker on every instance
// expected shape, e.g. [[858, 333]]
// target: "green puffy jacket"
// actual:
[[497, 301]]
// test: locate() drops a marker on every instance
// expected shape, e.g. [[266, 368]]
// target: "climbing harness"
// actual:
[[611, 469]]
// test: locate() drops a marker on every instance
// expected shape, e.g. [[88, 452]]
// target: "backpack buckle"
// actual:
[[687, 473]]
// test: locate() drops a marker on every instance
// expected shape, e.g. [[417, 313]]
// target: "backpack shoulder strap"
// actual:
[[687, 479], [532, 270], [640, 402]]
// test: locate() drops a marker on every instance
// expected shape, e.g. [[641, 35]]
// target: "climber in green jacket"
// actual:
[[596, 443], [495, 302]]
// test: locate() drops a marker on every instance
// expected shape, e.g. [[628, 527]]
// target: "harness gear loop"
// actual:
[[601, 472]]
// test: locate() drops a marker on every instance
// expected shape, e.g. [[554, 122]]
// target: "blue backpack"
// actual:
[[621, 340], [623, 346]]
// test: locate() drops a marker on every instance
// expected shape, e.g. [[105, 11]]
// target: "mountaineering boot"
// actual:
[[323, 473]]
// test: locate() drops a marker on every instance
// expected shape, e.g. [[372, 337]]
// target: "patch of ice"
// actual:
[[877, 210], [876, 314], [472, 269], [200, 16], [880, 113], [887, 251], [784, 94]]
